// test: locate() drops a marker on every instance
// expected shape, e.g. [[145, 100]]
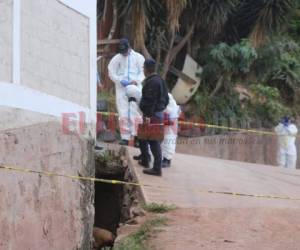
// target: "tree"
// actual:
[[257, 19]]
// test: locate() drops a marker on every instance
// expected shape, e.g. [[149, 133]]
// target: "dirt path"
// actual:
[[214, 221], [230, 229]]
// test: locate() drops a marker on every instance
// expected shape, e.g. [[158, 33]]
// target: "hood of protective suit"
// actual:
[[135, 92], [172, 109]]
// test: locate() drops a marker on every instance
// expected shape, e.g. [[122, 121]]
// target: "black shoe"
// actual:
[[166, 163], [123, 143], [98, 148], [152, 171], [139, 157], [143, 164]]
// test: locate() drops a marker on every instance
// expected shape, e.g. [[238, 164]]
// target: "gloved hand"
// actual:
[[125, 83]]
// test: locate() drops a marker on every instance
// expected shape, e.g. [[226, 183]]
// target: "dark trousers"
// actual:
[[155, 150], [154, 146]]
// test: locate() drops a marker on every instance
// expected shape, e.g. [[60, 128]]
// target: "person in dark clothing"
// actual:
[[154, 100]]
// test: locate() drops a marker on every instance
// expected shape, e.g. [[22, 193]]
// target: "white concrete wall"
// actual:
[[6, 14], [47, 68], [55, 50]]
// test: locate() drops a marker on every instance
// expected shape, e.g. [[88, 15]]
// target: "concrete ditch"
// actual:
[[115, 205]]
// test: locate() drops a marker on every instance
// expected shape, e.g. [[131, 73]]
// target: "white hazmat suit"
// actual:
[[135, 92], [129, 68], [168, 145], [287, 153]]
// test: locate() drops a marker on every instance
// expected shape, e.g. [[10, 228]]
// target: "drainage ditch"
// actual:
[[112, 202]]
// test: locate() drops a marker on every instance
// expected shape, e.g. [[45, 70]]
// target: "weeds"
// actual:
[[137, 240], [158, 208]]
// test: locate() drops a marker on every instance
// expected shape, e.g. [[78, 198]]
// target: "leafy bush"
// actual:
[[109, 97], [278, 65], [266, 104]]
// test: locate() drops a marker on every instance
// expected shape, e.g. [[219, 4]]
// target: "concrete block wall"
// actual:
[[55, 50], [244, 147], [42, 212], [47, 69], [6, 24]]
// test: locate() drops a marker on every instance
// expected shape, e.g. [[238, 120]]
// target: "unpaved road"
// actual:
[[215, 221], [230, 229]]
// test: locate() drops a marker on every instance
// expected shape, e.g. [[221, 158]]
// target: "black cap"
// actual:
[[149, 62], [123, 46], [150, 65]]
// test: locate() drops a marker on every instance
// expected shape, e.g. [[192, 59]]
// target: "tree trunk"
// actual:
[[145, 52], [113, 26], [172, 52], [218, 87], [158, 56], [168, 56]]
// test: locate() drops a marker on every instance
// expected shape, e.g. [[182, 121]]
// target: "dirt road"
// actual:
[[230, 229], [225, 222]]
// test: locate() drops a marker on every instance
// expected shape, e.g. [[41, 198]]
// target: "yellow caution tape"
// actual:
[[203, 125], [117, 182]]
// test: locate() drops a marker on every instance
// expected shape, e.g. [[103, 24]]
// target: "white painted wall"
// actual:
[[23, 97], [6, 12], [55, 50]]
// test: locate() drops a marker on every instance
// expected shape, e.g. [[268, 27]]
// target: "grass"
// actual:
[[137, 240], [158, 208]]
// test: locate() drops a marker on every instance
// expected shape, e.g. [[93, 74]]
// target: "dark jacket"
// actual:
[[154, 95]]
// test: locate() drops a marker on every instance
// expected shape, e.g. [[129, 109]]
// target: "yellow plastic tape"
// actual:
[[202, 125], [117, 182]]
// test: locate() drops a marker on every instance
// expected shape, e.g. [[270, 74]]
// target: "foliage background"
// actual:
[[252, 44]]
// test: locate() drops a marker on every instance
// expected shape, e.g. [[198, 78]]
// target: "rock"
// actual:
[[107, 136], [135, 202], [137, 211], [133, 221], [102, 238]]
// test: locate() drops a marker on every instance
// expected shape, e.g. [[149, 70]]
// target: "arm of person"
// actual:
[[112, 70], [292, 129], [280, 129]]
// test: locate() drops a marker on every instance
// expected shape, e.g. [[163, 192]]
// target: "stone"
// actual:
[[137, 211], [107, 136], [102, 238]]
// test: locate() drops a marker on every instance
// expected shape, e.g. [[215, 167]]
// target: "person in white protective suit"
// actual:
[[168, 146], [126, 68], [287, 153]]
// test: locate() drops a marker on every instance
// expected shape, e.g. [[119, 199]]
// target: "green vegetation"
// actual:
[[266, 104], [270, 74], [109, 97], [158, 208], [250, 44], [137, 241]]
